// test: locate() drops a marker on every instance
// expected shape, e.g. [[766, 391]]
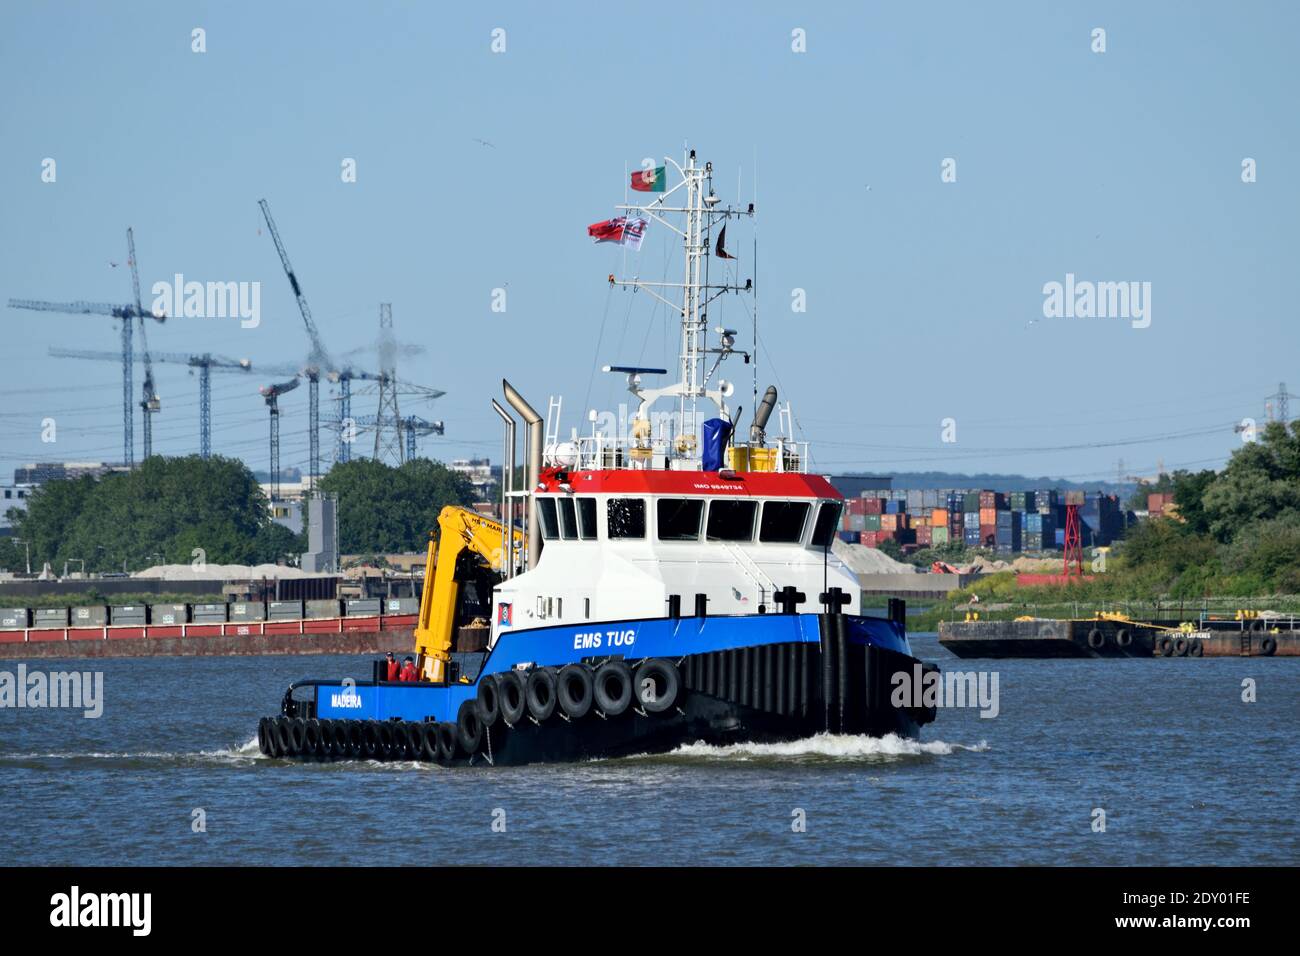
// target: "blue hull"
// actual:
[[570, 643], [720, 680]]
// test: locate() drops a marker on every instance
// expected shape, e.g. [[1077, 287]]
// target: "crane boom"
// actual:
[[460, 530], [318, 353]]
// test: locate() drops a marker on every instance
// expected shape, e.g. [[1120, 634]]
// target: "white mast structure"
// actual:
[[701, 211]]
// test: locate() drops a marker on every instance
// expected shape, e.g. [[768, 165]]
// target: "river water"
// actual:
[[1183, 769]]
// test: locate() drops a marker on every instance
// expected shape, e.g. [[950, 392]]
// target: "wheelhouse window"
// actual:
[[828, 519], [626, 517], [731, 520], [546, 514], [568, 520], [587, 519], [679, 518], [783, 522]]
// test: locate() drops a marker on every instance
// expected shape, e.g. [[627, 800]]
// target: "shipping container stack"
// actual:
[[1014, 522]]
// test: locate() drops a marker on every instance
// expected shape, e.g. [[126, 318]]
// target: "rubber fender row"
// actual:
[[573, 690], [1180, 646], [356, 739], [1097, 638]]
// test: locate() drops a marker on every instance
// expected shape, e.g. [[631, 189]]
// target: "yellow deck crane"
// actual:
[[461, 533]]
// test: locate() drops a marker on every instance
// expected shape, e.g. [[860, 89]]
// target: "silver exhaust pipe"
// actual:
[[533, 438], [758, 430], [507, 487]]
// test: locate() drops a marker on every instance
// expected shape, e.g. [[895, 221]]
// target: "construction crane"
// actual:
[[318, 360], [272, 395], [150, 403], [205, 363], [127, 314], [414, 427]]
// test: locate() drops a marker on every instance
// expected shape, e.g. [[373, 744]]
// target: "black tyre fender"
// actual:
[[1196, 648], [370, 739], [283, 735], [298, 730], [428, 740], [1096, 639], [1180, 646], [401, 740], [414, 739], [513, 694], [312, 743], [488, 700], [264, 737], [446, 741], [1268, 646], [1166, 646], [1124, 638], [469, 727], [574, 691], [612, 686], [384, 739], [657, 685], [340, 743], [355, 736], [542, 693]]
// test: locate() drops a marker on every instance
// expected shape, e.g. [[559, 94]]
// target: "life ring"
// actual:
[[612, 686], [1180, 646], [489, 699], [541, 693], [1096, 639], [1196, 648], [469, 727], [370, 739], [1268, 646], [657, 683], [512, 692], [428, 740], [574, 690], [446, 741], [1123, 637], [1166, 646]]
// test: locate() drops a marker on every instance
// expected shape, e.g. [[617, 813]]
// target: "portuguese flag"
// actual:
[[649, 180]]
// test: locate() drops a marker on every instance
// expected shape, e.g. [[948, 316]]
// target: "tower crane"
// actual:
[[318, 359], [205, 363], [413, 427], [150, 403], [272, 395], [127, 315]]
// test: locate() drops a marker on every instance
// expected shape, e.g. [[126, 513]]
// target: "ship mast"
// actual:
[[701, 209]]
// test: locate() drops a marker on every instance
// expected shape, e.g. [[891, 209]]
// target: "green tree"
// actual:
[[168, 510], [385, 509]]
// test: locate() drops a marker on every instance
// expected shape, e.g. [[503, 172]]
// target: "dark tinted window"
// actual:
[[731, 520], [546, 513], [626, 517], [783, 521], [568, 520], [828, 519], [679, 519], [587, 518]]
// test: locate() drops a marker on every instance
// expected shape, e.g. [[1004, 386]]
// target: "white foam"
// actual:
[[839, 746]]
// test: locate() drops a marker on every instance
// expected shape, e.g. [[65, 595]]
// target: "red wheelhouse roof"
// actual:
[[646, 482]]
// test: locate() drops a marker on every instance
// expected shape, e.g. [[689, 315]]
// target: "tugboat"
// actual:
[[655, 587]]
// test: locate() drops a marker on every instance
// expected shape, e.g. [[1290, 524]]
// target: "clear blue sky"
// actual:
[[1117, 166]]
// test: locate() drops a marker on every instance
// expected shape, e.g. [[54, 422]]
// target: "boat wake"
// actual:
[[828, 748]]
